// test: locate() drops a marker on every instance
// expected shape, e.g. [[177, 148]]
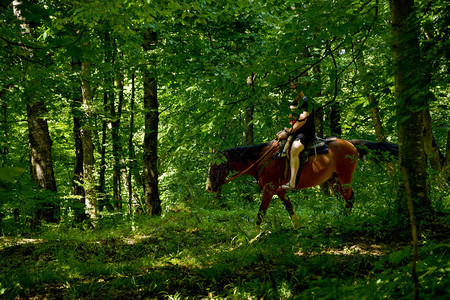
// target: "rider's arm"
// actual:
[[297, 125]]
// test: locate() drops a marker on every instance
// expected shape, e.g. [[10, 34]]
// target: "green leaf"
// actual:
[[397, 256]]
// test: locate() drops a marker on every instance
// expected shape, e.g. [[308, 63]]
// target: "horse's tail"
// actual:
[[382, 151]]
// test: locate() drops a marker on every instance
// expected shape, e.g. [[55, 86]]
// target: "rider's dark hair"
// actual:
[[304, 103]]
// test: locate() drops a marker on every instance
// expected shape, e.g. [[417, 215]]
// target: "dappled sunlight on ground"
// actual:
[[360, 249], [208, 253]]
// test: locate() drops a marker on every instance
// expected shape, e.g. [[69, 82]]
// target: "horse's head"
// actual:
[[217, 174]]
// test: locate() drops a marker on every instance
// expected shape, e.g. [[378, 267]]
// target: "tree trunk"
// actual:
[[108, 97], [374, 109], [150, 155], [122, 160], [88, 146], [438, 161], [318, 121], [118, 163], [77, 178], [410, 105], [431, 149], [40, 146], [4, 125], [114, 119], [132, 165], [249, 110], [4, 133], [103, 200], [376, 120], [446, 165], [41, 161], [410, 100], [335, 120]]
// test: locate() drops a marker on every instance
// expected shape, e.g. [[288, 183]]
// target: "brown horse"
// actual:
[[260, 161]]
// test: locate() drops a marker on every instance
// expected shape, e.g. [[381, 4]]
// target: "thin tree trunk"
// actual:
[[103, 200], [4, 124], [77, 178], [376, 120], [434, 154], [446, 165], [318, 121], [150, 155], [118, 163], [249, 110], [4, 132], [374, 109], [432, 150], [114, 123], [108, 98], [122, 163], [88, 146], [335, 120], [132, 200]]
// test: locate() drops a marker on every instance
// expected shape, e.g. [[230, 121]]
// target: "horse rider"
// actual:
[[302, 133]]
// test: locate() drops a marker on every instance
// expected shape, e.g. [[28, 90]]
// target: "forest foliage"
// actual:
[[224, 73]]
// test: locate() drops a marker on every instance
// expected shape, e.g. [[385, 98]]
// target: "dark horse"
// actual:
[[260, 161]]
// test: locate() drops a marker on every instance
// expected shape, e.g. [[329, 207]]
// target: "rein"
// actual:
[[277, 142]]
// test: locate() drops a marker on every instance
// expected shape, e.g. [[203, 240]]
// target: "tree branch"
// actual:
[[336, 79], [19, 44], [307, 69]]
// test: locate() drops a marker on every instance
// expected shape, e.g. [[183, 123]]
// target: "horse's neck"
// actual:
[[242, 158], [239, 165]]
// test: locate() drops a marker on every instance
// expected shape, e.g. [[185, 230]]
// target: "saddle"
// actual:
[[318, 146]]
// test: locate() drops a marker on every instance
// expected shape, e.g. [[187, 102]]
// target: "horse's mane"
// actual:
[[245, 153]]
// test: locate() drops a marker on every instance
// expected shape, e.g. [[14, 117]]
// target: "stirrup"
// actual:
[[286, 187]]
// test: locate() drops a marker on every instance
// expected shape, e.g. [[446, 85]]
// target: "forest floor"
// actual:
[[218, 254]]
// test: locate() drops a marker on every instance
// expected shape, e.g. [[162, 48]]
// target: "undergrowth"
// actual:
[[200, 251], [212, 253]]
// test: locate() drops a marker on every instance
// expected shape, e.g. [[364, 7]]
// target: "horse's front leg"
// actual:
[[265, 202], [288, 205]]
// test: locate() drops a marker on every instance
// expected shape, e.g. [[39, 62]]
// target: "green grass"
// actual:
[[197, 251], [206, 253]]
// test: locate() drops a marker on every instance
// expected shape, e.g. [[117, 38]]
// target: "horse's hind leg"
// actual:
[[342, 185], [288, 205]]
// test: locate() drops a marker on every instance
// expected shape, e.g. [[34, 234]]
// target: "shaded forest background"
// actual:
[[109, 112]]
